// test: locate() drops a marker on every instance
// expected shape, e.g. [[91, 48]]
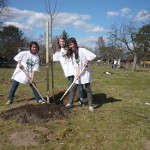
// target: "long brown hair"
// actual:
[[69, 52], [73, 40], [63, 38]]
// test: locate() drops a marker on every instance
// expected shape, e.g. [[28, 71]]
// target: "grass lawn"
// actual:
[[121, 120]]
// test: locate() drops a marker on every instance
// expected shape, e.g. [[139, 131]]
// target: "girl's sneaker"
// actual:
[[81, 103], [8, 102], [91, 108], [41, 101], [68, 105]]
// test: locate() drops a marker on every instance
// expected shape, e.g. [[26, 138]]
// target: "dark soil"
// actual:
[[33, 114], [38, 113]]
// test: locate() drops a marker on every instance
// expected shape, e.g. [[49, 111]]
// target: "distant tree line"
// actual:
[[125, 41], [122, 44], [11, 39]]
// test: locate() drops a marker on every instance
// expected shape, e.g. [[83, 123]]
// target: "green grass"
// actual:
[[116, 124]]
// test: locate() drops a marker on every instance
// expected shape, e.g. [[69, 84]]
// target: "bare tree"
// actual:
[[3, 11], [146, 14], [125, 34], [52, 14], [100, 44], [3, 4]]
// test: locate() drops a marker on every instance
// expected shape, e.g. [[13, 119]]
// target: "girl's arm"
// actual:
[[20, 65], [86, 63]]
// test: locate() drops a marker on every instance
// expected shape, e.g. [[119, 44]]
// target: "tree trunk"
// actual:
[[134, 62]]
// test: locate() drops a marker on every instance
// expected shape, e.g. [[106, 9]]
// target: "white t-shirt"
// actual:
[[84, 55], [30, 63], [66, 63]]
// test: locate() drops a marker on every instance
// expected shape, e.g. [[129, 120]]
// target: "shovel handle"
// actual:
[[33, 84], [72, 83]]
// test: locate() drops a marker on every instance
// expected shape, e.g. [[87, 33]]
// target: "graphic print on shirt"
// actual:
[[78, 60], [30, 64], [64, 54]]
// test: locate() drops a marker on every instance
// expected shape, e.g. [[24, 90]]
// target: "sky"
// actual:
[[86, 20]]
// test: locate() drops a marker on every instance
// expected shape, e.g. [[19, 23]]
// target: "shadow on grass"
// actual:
[[56, 98], [100, 99]]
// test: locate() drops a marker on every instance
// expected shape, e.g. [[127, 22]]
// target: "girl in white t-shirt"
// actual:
[[28, 60], [81, 59], [64, 57]]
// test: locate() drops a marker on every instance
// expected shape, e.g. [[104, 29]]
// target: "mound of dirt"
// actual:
[[39, 113], [35, 114]]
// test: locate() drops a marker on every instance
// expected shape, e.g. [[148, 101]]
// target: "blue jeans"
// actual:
[[14, 88], [80, 88]]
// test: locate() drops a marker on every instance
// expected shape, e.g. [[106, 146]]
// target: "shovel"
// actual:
[[71, 85], [33, 85]]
